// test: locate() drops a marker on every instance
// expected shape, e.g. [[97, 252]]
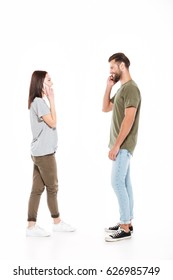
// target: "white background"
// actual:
[[73, 40]]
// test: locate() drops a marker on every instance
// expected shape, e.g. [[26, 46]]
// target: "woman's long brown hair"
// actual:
[[36, 86]]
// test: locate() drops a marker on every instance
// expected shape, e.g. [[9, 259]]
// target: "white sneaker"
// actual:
[[36, 231], [61, 226]]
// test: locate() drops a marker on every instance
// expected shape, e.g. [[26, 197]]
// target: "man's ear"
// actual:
[[122, 66]]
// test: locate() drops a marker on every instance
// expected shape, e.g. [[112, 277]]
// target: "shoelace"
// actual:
[[37, 227], [118, 232], [65, 224], [117, 225]]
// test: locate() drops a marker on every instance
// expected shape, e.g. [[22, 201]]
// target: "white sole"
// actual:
[[37, 235], [63, 230], [113, 231], [28, 234], [110, 231], [109, 239]]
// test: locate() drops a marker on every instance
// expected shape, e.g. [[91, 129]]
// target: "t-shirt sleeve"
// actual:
[[112, 99], [131, 97], [41, 108]]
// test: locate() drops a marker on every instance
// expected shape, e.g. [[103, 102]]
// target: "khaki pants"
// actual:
[[44, 174]]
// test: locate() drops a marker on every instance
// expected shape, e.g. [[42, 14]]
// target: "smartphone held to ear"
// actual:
[[44, 85], [45, 89], [112, 78]]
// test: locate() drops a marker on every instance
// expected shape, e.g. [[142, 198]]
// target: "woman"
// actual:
[[43, 148]]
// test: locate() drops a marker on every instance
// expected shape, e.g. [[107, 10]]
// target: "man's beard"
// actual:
[[117, 77]]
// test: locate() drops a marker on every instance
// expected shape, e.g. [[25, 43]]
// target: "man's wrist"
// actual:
[[109, 87], [116, 146]]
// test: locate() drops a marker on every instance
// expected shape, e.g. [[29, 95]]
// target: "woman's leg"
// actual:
[[48, 171], [34, 200]]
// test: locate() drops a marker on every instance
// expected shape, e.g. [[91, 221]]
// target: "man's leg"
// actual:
[[130, 192], [119, 173]]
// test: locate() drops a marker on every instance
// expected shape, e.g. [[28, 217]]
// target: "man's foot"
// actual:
[[116, 227], [61, 227], [36, 231], [120, 234]]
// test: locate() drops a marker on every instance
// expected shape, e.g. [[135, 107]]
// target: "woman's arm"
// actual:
[[50, 119]]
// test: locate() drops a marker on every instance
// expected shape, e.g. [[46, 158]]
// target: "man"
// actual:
[[125, 105]]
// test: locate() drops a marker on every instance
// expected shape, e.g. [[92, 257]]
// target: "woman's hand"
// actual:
[[48, 91]]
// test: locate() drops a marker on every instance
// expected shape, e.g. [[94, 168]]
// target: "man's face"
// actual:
[[115, 71]]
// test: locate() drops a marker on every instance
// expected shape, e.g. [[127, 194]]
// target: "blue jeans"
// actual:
[[121, 184]]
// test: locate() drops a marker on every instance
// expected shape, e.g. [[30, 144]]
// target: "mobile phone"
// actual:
[[113, 77]]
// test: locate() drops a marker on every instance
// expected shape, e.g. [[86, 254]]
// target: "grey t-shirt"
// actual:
[[44, 137]]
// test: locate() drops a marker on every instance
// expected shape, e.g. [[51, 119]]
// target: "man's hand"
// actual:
[[113, 152], [110, 81]]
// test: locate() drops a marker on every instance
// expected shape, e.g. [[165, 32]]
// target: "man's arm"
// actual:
[[107, 104], [125, 128]]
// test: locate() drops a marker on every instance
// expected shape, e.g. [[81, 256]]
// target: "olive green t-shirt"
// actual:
[[128, 95]]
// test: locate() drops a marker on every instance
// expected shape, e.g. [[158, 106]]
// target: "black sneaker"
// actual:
[[120, 234], [116, 227]]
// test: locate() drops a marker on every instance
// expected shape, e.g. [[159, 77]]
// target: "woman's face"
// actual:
[[47, 80]]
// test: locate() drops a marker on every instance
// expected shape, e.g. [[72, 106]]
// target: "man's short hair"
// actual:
[[120, 57]]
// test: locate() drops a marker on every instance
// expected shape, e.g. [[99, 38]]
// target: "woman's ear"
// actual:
[[44, 86]]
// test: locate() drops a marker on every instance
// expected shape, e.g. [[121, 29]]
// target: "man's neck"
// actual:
[[125, 78]]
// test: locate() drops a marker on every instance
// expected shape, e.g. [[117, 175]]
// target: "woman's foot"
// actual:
[[36, 231]]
